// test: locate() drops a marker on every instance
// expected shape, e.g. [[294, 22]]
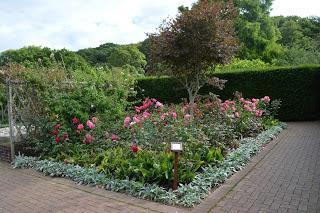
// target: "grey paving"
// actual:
[[286, 180]]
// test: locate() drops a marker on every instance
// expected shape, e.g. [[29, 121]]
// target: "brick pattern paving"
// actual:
[[29, 191], [286, 180]]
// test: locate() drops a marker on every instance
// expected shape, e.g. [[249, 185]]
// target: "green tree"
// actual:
[[33, 56], [195, 40], [98, 55], [301, 37], [127, 55], [256, 30]]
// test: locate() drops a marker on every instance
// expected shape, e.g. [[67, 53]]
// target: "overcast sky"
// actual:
[[76, 24]]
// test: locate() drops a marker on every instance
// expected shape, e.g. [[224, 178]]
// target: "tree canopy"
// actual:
[[195, 40], [32, 56]]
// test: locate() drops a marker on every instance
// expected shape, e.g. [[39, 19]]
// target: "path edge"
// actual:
[[219, 193]]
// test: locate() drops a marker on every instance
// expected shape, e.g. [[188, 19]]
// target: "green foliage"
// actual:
[[296, 87], [116, 56], [301, 37], [98, 55], [240, 64], [127, 55], [294, 28], [33, 57], [256, 30]]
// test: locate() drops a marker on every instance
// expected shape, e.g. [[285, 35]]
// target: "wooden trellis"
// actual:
[[23, 111]]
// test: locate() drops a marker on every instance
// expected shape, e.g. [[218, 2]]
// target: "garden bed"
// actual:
[[186, 195]]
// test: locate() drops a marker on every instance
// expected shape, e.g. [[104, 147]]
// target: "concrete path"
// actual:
[[284, 177]]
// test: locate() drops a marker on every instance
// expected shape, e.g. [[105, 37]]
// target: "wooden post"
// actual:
[[10, 118], [176, 172]]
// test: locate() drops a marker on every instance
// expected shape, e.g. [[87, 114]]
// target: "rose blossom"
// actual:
[[126, 121], [65, 136], [90, 124], [75, 120], [88, 139], [80, 127], [266, 98], [158, 104], [187, 116], [114, 137], [134, 149], [94, 119], [146, 114], [57, 126], [57, 139], [136, 119]]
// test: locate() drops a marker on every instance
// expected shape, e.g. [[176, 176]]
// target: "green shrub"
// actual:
[[297, 87]]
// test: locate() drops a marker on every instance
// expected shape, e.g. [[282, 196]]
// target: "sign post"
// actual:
[[176, 147]]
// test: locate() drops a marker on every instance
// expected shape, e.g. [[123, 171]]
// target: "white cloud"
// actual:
[[75, 24], [303, 8]]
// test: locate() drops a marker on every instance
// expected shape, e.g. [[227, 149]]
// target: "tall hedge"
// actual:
[[297, 87]]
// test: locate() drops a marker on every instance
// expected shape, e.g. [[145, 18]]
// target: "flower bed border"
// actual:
[[187, 195]]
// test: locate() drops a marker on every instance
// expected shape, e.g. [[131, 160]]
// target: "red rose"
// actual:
[[57, 139], [75, 120], [57, 126], [65, 136], [55, 132], [134, 149]]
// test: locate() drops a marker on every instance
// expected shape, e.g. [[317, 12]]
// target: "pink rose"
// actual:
[[88, 139], [254, 105], [266, 98], [90, 124], [136, 119], [163, 116], [237, 114], [94, 119], [247, 108], [126, 121], [254, 100], [146, 114], [259, 113], [174, 115], [114, 137], [80, 127], [158, 104], [187, 116]]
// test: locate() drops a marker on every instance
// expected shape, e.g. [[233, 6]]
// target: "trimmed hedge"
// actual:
[[297, 87]]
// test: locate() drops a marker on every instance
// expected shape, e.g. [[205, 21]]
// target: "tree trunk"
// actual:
[[191, 104]]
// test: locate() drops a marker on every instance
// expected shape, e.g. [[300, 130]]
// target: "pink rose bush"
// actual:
[[131, 146]]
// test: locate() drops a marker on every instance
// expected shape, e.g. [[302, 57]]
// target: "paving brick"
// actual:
[[287, 179]]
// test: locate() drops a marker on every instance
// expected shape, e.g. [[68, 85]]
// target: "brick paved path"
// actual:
[[286, 179]]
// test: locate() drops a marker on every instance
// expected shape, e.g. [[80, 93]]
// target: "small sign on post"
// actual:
[[176, 147]]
